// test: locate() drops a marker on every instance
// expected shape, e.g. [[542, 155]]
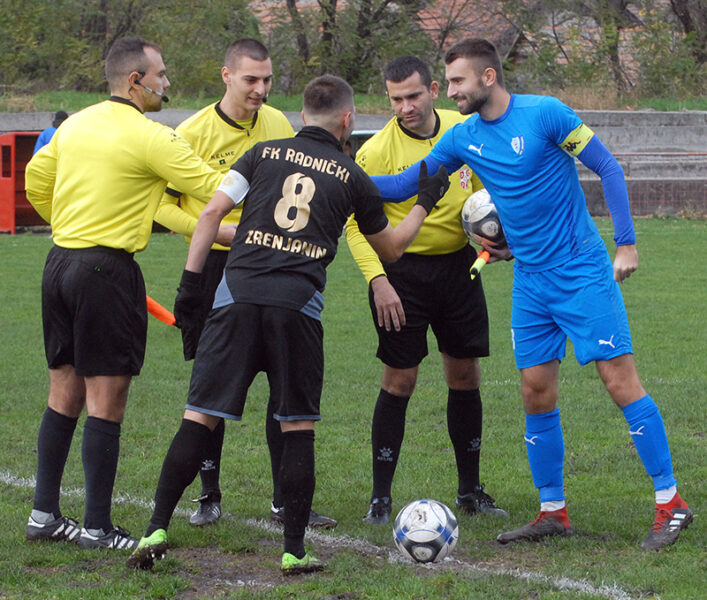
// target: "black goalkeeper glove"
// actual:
[[188, 311], [431, 188]]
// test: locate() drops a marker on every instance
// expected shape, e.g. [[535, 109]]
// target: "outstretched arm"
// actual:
[[390, 243], [396, 188], [400, 187]]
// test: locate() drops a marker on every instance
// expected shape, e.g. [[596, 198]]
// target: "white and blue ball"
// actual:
[[425, 531], [480, 220]]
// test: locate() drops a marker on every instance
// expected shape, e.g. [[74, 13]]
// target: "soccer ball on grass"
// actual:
[[480, 221], [425, 531]]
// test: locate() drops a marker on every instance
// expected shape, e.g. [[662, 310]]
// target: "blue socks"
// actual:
[[546, 450], [648, 434], [546, 454]]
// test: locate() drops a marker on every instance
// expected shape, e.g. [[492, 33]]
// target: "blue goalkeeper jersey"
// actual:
[[525, 159]]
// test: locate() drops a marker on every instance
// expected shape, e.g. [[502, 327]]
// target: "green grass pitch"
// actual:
[[610, 497]]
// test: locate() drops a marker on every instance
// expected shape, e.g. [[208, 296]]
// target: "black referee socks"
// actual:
[[464, 414], [53, 444], [387, 432], [99, 451]]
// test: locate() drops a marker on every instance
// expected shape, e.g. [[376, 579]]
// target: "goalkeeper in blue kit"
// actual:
[[523, 148]]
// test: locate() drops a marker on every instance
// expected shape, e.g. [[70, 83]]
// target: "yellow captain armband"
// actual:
[[577, 139]]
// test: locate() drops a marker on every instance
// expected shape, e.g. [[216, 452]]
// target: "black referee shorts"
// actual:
[[435, 291], [238, 341], [94, 311]]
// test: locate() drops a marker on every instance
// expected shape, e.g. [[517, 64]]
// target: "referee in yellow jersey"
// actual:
[[98, 183], [220, 133], [428, 287]]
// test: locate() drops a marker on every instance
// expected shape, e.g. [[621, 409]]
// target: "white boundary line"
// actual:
[[612, 592]]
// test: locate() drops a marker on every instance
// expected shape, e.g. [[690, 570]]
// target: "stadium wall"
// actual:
[[663, 154]]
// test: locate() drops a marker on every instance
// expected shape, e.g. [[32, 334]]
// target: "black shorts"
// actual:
[[94, 311], [435, 291], [238, 341]]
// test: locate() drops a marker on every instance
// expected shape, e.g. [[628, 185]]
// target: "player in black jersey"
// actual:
[[297, 194], [220, 133]]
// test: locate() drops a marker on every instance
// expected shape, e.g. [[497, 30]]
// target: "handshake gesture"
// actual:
[[431, 188]]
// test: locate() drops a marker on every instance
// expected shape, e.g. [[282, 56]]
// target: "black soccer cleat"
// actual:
[[115, 539], [61, 529], [277, 515], [208, 513], [379, 511], [479, 502]]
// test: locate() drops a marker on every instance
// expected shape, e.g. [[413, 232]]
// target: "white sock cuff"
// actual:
[[39, 516], [666, 495], [552, 505]]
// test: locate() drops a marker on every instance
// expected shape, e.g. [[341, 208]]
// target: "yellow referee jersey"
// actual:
[[100, 179], [391, 151], [220, 141]]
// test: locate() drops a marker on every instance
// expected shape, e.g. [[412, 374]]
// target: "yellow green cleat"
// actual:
[[291, 565], [148, 550]]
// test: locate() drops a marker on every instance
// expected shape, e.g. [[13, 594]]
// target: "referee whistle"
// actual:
[[479, 263]]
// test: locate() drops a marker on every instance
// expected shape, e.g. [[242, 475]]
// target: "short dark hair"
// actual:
[[326, 94], [478, 49], [401, 68], [126, 55], [245, 47], [59, 117]]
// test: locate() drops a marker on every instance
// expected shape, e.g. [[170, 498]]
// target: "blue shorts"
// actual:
[[579, 300]]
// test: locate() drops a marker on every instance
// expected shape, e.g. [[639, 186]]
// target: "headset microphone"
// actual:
[[161, 95]]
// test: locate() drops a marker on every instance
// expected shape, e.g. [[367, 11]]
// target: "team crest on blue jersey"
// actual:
[[464, 177], [518, 145]]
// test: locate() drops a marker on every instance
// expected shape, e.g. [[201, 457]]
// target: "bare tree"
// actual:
[[612, 17], [692, 15], [300, 33], [329, 29]]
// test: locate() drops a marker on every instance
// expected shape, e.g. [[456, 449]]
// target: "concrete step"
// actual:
[[663, 154], [637, 131], [655, 165], [658, 196]]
